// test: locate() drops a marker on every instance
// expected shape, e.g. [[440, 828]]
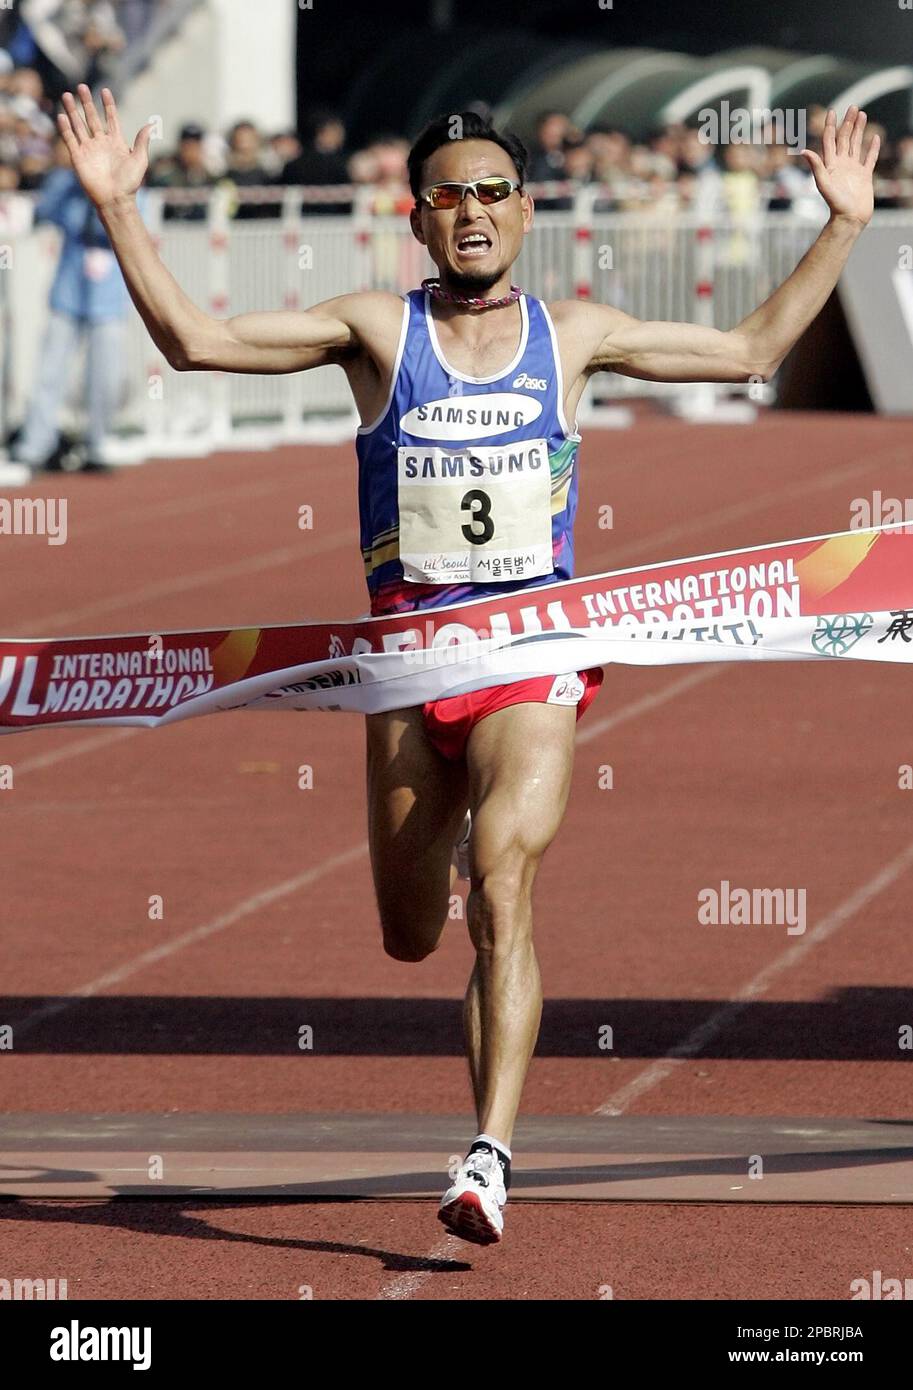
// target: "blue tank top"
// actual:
[[467, 486]]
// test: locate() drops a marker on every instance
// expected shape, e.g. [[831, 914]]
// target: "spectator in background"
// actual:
[[787, 178], [686, 190], [639, 181], [579, 161], [740, 184], [883, 199], [546, 160], [903, 169], [391, 174], [696, 157], [245, 168], [26, 128], [577, 168], [321, 159], [26, 82], [69, 41], [9, 175], [664, 145], [88, 298], [33, 132], [641, 163], [362, 167], [284, 146], [322, 162], [815, 119], [611, 151], [394, 257], [740, 198], [187, 168], [135, 17], [9, 23]]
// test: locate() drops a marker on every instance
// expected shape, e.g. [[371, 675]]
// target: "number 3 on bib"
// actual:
[[481, 528], [474, 517]]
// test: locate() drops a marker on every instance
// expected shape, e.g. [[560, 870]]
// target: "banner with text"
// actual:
[[828, 597]]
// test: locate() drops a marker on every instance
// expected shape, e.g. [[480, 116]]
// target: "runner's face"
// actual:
[[443, 230]]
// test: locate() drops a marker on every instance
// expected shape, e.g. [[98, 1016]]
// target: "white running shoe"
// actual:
[[471, 1208], [461, 849]]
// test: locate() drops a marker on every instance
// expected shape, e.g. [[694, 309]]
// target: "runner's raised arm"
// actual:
[[190, 339], [756, 346]]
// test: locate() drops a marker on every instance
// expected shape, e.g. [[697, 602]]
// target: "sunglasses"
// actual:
[[449, 195]]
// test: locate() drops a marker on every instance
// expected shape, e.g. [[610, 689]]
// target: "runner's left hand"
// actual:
[[844, 179]]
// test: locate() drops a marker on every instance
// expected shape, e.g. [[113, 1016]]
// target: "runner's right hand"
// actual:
[[108, 169]]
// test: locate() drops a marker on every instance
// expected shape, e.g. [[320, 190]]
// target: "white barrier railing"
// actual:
[[679, 266]]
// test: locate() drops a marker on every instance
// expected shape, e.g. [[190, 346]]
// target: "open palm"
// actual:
[[104, 163], [843, 177]]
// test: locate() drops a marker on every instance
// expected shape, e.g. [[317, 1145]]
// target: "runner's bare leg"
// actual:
[[520, 761], [417, 801]]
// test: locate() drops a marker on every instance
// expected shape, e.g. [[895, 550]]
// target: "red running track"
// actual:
[[769, 775]]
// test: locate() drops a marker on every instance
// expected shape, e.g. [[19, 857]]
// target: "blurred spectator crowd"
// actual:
[[675, 170], [46, 46], [678, 169]]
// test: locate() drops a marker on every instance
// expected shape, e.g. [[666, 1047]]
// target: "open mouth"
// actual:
[[473, 244]]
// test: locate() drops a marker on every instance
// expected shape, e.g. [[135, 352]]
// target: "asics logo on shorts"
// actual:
[[566, 690], [532, 383]]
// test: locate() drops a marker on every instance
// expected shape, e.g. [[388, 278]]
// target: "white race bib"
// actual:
[[476, 514]]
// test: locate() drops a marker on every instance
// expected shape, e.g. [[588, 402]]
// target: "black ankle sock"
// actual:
[[481, 1145]]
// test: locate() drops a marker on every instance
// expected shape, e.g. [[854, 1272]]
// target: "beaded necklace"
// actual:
[[469, 301]]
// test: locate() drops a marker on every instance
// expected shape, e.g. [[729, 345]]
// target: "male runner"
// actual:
[[467, 488]]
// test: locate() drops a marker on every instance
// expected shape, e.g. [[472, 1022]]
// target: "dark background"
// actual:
[[371, 59]]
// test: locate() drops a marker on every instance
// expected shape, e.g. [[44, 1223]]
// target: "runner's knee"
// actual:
[[408, 938], [499, 901]]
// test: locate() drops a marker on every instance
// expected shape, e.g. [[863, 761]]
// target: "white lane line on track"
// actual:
[[691, 1045], [73, 749], [255, 903], [405, 1285]]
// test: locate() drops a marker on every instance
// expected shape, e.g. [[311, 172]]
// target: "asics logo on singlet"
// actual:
[[532, 383]]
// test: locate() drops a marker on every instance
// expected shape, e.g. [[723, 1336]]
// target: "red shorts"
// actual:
[[449, 722]]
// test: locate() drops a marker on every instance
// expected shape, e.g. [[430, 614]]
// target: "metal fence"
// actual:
[[674, 266]]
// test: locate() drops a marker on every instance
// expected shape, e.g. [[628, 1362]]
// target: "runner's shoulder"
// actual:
[[367, 308], [373, 316], [581, 316], [582, 327]]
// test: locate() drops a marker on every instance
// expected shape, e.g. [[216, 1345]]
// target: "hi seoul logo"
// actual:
[[752, 907], [739, 125], [76, 1343]]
